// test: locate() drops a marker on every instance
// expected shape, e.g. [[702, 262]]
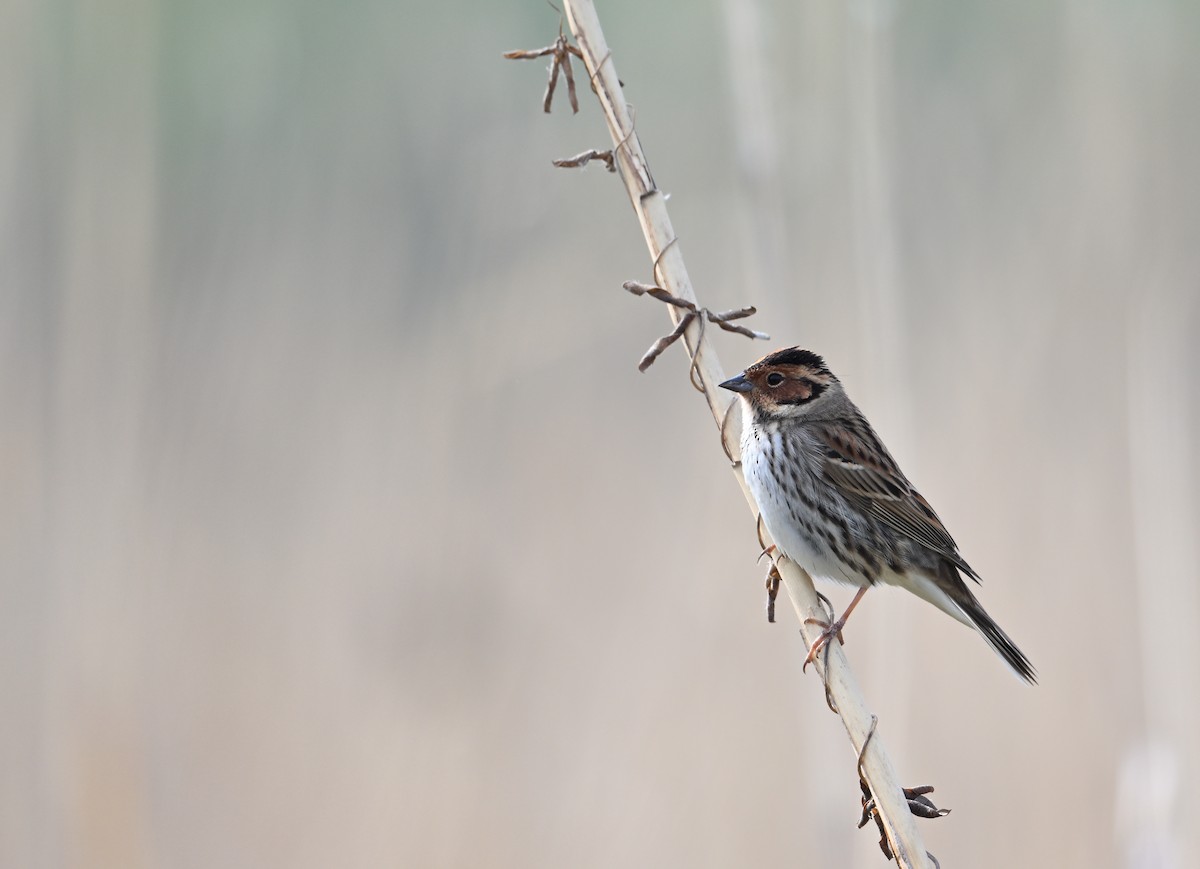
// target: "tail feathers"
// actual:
[[999, 641], [950, 594]]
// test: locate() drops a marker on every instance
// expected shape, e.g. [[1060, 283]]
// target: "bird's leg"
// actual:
[[831, 630]]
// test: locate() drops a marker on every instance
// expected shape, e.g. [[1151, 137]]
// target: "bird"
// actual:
[[836, 503]]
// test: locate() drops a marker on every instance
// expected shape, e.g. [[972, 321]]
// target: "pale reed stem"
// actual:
[[650, 205]]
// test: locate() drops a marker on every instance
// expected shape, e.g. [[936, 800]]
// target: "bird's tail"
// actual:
[[996, 638], [950, 594]]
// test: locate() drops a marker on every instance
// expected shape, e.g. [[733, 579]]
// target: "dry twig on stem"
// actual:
[[691, 312], [581, 160], [918, 802], [891, 807], [561, 51]]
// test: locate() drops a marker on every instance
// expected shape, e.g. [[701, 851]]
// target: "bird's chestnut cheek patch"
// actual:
[[801, 391]]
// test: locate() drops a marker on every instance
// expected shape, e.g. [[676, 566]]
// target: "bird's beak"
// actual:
[[737, 384]]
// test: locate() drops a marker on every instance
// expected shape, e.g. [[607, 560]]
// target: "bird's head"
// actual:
[[787, 384]]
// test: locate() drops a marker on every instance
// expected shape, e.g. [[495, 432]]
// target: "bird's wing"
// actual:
[[857, 463]]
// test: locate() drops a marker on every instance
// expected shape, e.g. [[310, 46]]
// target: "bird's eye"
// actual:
[[774, 378]]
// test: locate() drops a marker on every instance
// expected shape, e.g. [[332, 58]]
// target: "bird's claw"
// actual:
[[829, 632]]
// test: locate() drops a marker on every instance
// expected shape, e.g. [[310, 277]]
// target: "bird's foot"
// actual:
[[831, 630]]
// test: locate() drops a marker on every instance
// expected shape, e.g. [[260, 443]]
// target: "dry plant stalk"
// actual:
[[891, 805]]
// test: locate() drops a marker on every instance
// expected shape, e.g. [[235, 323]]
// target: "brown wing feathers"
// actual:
[[869, 478]]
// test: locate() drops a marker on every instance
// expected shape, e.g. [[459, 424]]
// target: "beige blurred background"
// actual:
[[339, 529]]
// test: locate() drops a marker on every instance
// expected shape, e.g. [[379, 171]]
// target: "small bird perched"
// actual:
[[835, 501]]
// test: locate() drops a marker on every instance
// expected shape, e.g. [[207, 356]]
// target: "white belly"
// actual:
[[807, 550]]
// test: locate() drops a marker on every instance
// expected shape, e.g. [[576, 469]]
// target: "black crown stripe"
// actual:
[[797, 356]]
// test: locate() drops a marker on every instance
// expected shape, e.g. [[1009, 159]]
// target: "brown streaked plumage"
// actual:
[[836, 502]]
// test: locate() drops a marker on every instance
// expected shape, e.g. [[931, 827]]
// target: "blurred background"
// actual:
[[339, 529]]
